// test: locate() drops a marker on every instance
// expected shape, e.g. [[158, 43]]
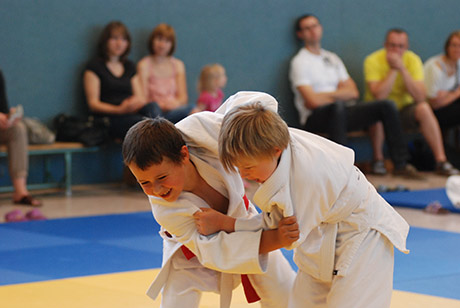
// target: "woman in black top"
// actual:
[[111, 85]]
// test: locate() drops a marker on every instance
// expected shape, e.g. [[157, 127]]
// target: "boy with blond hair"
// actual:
[[347, 230]]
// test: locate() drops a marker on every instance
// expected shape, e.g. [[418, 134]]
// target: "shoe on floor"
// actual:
[[409, 172], [378, 167], [35, 214], [15, 216], [446, 168], [28, 200]]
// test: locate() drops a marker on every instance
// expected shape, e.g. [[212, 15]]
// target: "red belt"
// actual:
[[249, 291]]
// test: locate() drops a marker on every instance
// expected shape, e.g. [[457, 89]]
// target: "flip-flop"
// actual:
[[15, 216], [28, 200], [35, 214], [436, 208]]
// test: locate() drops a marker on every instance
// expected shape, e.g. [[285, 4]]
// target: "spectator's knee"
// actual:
[[337, 109], [19, 128], [423, 110]]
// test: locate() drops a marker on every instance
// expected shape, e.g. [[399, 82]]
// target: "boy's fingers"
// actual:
[[289, 220]]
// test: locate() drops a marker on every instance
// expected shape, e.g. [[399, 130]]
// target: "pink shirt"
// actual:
[[210, 101], [161, 89]]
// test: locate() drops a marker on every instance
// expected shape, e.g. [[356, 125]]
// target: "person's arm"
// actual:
[[92, 86], [382, 89], [286, 234], [142, 78], [181, 96], [436, 82], [346, 90], [236, 252], [4, 124], [3, 104], [416, 88], [379, 86], [209, 221], [444, 98]]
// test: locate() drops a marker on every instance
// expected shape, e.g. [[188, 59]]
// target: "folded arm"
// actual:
[[346, 90]]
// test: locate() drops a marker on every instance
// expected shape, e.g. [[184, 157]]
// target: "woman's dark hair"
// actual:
[[109, 29]]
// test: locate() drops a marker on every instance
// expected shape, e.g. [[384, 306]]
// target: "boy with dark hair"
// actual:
[[180, 172]]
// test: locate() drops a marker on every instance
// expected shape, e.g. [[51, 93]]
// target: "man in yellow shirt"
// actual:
[[396, 73]]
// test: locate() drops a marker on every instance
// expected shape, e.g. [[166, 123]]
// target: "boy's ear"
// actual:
[[184, 152], [278, 152]]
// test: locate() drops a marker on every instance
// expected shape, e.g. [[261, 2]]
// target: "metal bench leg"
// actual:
[[68, 173]]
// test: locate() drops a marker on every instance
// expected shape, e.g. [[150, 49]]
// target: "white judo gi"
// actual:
[[347, 230], [217, 260]]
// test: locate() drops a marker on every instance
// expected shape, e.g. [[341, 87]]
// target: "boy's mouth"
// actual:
[[166, 194]]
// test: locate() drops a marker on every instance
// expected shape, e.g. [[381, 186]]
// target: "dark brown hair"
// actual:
[[108, 31], [149, 141], [447, 43]]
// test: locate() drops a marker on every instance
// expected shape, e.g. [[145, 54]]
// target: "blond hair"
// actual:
[[207, 75], [251, 131]]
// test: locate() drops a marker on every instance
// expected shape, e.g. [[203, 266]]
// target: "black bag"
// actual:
[[90, 131]]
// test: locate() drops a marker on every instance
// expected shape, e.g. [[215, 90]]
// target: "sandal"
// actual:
[[436, 208], [35, 214], [28, 200], [15, 216]]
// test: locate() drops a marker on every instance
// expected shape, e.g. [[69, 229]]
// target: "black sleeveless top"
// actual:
[[113, 89]]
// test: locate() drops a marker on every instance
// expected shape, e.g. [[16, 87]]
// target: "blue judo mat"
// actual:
[[420, 198], [74, 247]]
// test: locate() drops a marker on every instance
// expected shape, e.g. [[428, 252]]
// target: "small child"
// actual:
[[347, 230], [180, 172], [212, 81]]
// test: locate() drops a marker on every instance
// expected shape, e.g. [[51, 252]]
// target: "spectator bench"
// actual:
[[67, 149]]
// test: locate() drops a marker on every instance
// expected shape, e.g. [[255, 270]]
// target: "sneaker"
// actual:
[[378, 167], [408, 171], [446, 168]]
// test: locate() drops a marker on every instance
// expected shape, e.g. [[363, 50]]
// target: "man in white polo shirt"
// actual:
[[325, 97]]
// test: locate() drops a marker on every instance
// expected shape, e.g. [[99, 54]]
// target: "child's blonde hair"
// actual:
[[207, 76], [251, 131]]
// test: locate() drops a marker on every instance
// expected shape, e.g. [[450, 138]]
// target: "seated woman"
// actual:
[[442, 82], [14, 135], [111, 85], [163, 76]]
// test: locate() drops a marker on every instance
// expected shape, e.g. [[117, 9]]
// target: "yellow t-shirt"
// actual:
[[376, 68]]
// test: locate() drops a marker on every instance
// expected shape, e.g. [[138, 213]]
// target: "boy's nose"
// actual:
[[157, 189], [243, 174]]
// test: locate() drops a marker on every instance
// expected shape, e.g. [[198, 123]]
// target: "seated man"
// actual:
[[323, 88], [396, 73]]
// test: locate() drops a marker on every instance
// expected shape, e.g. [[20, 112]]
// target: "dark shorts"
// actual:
[[407, 115]]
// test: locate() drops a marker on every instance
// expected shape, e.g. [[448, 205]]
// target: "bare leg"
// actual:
[[430, 129], [377, 136], [20, 188]]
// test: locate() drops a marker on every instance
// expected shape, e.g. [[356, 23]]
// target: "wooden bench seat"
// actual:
[[67, 149]]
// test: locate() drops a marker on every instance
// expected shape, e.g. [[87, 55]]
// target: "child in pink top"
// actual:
[[212, 80]]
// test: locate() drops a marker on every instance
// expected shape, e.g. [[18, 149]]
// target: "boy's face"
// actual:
[[165, 180], [258, 169]]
